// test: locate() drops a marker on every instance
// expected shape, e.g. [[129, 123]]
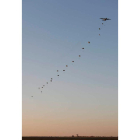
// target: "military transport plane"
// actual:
[[104, 19]]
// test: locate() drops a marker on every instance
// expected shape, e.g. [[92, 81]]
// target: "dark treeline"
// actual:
[[70, 138]]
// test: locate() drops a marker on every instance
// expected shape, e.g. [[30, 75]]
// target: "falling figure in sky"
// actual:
[[63, 70], [47, 82], [72, 61], [79, 55], [99, 28], [57, 70], [50, 80], [99, 34], [89, 42], [66, 65], [31, 96], [82, 48], [57, 75]]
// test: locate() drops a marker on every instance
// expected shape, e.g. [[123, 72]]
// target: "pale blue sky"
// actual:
[[54, 31]]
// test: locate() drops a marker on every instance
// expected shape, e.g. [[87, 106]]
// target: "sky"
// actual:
[[84, 99]]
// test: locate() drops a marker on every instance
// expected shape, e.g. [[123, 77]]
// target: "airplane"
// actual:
[[104, 19]]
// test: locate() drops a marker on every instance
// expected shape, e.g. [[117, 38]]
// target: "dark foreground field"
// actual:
[[69, 138]]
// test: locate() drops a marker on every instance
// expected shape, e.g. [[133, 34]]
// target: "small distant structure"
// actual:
[[72, 135], [77, 135]]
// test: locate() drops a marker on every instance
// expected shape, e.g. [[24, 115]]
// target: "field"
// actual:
[[69, 138]]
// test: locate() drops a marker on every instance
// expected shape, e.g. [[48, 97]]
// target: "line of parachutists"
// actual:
[[41, 88]]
